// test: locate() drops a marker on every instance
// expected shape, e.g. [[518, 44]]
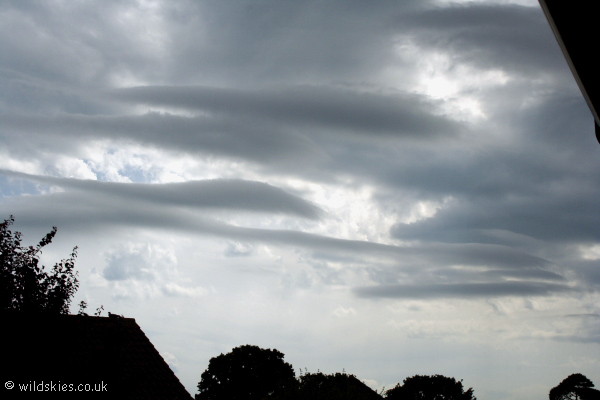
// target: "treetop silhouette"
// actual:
[[574, 387], [247, 373]]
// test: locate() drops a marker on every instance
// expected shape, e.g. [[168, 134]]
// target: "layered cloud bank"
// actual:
[[392, 188]]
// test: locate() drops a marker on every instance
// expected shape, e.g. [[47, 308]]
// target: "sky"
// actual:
[[386, 188]]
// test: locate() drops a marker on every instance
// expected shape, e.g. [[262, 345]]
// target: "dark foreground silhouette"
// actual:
[[81, 357], [28, 286], [574, 387], [252, 373]]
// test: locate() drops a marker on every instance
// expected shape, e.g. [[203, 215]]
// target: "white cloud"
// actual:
[[590, 252], [174, 289], [342, 312], [146, 270]]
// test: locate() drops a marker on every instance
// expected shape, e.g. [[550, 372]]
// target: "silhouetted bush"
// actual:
[[435, 387], [338, 386], [25, 285]]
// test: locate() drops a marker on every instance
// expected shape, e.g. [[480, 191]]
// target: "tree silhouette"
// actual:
[[338, 386], [574, 387], [25, 285], [424, 387], [247, 373]]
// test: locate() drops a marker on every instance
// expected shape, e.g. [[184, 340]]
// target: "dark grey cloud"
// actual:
[[542, 203], [297, 128], [85, 211], [587, 332], [528, 273], [497, 36], [542, 187], [551, 151], [567, 220], [309, 41], [287, 87], [587, 271], [46, 45], [307, 107], [234, 138], [462, 290], [227, 194], [450, 270], [541, 195]]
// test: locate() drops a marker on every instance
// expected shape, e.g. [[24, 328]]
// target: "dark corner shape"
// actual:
[[575, 26], [112, 355]]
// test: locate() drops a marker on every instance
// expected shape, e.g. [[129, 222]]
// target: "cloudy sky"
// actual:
[[388, 188]]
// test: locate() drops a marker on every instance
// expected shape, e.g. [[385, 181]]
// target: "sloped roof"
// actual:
[[110, 352]]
